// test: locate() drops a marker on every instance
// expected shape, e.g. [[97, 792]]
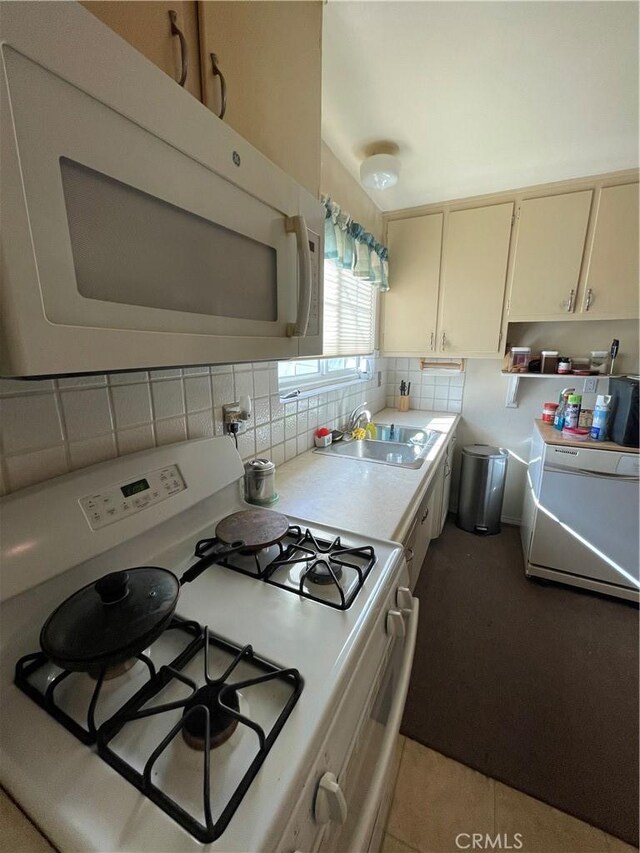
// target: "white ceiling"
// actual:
[[481, 96]]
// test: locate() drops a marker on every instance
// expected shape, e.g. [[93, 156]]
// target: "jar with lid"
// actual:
[[260, 482], [519, 358], [598, 361], [549, 412], [564, 365], [549, 361]]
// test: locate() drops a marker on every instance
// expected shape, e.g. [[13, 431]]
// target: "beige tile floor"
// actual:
[[437, 799]]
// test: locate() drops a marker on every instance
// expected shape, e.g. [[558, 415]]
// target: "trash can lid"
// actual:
[[483, 450]]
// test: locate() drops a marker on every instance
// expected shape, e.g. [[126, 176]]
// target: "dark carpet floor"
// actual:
[[535, 685]]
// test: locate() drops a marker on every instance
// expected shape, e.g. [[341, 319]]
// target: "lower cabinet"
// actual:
[[419, 537], [430, 517], [440, 516]]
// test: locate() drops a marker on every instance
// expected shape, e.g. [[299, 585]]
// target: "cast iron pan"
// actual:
[[248, 531], [110, 620], [255, 528]]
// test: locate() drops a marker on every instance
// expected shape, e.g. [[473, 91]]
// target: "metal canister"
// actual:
[[260, 482]]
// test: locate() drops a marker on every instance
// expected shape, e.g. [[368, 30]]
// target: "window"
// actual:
[[306, 374], [349, 313], [349, 332]]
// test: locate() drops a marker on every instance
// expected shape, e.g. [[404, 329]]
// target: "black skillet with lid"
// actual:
[[110, 620]]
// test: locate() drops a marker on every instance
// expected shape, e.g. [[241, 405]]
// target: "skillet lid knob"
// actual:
[[113, 587]]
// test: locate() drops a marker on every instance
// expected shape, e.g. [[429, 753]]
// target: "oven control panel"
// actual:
[[125, 499]]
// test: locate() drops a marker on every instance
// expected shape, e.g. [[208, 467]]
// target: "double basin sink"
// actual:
[[405, 447]]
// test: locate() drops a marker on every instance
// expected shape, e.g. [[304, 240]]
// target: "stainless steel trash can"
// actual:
[[482, 480]]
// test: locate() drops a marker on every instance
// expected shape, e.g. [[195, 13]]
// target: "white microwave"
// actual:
[[138, 230]]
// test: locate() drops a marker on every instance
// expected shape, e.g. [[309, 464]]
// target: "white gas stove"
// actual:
[[264, 715]]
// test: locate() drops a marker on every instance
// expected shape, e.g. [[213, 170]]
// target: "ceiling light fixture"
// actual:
[[380, 171]]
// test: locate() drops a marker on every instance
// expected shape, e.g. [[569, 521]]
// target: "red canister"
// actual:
[[548, 412]]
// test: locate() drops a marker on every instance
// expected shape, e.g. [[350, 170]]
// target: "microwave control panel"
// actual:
[[126, 499]]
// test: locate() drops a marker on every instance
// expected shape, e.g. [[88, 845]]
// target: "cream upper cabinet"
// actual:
[[411, 304], [270, 54], [548, 251], [474, 268], [610, 288], [147, 27]]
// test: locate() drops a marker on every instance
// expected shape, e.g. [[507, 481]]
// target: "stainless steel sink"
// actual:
[[408, 452], [405, 435]]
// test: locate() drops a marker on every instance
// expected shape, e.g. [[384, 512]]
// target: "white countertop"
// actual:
[[369, 498]]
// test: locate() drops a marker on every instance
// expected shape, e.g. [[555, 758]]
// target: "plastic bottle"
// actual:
[[572, 411], [558, 420], [600, 417]]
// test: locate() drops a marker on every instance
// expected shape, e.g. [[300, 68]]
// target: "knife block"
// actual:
[[403, 404]]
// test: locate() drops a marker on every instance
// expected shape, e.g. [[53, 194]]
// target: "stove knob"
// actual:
[[395, 624], [404, 599], [330, 803]]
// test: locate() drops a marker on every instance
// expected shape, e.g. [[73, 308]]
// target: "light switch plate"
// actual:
[[590, 385]]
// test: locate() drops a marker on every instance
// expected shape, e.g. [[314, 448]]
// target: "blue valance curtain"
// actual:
[[349, 246]]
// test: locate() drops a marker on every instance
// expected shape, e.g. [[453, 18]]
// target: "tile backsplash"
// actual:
[[439, 391], [52, 426]]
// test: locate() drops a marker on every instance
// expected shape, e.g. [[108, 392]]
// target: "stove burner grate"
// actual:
[[326, 561], [256, 562], [209, 715], [218, 694], [31, 664]]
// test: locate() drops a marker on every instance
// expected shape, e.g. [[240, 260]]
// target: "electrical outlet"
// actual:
[[590, 385]]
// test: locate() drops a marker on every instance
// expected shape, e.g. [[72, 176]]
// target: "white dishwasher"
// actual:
[[580, 523]]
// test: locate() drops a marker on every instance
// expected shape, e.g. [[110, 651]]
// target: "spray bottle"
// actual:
[[600, 417], [558, 420]]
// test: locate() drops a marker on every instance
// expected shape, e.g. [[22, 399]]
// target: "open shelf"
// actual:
[[511, 401], [560, 375]]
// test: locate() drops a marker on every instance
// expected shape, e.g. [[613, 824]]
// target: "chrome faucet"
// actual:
[[356, 416]]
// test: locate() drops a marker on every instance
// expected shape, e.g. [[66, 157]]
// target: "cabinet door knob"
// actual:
[[404, 599], [176, 31], [330, 803], [587, 302], [395, 624], [215, 70]]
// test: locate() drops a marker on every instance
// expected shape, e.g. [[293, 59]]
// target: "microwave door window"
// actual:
[[134, 249]]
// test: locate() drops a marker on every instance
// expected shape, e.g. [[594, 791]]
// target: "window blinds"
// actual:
[[349, 313]]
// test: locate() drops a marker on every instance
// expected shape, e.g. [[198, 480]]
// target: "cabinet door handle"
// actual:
[[408, 554], [176, 31], [424, 517], [587, 302], [215, 70], [444, 340], [431, 341], [570, 301]]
